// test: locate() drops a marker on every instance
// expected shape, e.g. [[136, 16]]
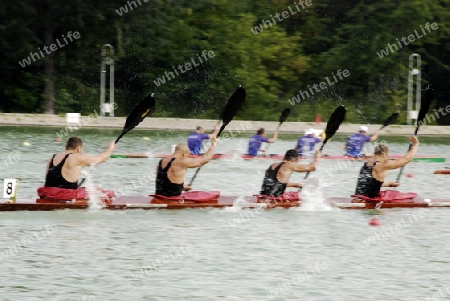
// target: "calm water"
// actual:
[[311, 253]]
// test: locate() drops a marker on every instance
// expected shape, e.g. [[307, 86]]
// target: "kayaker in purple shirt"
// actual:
[[355, 143], [195, 140], [307, 143], [254, 144]]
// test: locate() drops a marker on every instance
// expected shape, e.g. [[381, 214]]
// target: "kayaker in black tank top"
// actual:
[[72, 160], [372, 176], [367, 184], [163, 185], [271, 186], [276, 178], [176, 167], [54, 177]]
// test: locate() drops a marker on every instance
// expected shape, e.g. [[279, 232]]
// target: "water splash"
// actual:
[[237, 205], [313, 198], [95, 195]]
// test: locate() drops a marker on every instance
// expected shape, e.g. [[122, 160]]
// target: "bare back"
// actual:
[[177, 171], [70, 170], [288, 168], [379, 171]]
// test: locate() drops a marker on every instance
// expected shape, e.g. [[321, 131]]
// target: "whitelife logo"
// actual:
[[49, 49], [411, 38], [188, 66]]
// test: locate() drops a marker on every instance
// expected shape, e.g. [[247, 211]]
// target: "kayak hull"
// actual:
[[442, 172], [251, 202]]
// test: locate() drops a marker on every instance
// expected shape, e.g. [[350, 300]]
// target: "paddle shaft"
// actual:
[[409, 148], [198, 169], [137, 115], [321, 148], [268, 144]]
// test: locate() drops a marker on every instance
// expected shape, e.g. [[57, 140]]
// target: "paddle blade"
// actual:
[[285, 115], [334, 122], [424, 106], [142, 110], [392, 119], [232, 107]]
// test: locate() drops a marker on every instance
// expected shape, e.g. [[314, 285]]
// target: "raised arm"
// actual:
[[214, 133], [310, 167], [205, 158], [274, 138], [87, 160], [374, 136], [393, 164]]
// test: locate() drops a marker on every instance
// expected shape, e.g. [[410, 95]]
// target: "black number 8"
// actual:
[[9, 188]]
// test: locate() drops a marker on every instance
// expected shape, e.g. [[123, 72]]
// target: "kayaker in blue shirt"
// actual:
[[254, 144], [195, 140], [355, 143], [307, 143]]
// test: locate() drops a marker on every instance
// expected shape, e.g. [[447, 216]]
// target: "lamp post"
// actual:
[[107, 59], [414, 71]]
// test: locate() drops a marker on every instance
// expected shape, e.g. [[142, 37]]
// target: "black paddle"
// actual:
[[333, 124], [424, 107], [231, 108], [143, 108], [284, 115], [392, 119]]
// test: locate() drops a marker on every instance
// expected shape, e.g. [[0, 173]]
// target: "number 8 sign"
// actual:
[[9, 188]]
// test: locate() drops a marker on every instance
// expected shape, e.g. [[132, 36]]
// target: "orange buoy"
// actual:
[[58, 139], [410, 175], [374, 222]]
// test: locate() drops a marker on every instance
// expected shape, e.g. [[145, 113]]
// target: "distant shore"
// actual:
[[236, 126]]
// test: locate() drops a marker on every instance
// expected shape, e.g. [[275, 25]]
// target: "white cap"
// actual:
[[363, 129], [309, 131], [318, 132]]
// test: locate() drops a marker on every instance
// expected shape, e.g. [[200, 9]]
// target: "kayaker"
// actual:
[[355, 143], [171, 171], [374, 172], [276, 179], [195, 140], [254, 144], [64, 169], [307, 143]]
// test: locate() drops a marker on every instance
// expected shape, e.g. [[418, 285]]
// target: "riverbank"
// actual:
[[237, 126]]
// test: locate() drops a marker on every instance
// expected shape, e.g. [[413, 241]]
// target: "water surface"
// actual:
[[312, 253]]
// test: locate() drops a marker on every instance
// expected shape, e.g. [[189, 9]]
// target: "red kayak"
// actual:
[[442, 172], [202, 199]]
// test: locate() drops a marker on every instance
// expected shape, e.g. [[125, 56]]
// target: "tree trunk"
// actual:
[[49, 91]]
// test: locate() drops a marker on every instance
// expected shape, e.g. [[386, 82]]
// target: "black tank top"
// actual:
[[367, 184], [163, 185], [54, 177], [271, 186]]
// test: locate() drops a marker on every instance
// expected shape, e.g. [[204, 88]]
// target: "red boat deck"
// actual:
[[442, 172], [140, 202]]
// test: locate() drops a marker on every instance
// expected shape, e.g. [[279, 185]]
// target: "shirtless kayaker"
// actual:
[[64, 169], [276, 179], [374, 172], [171, 171]]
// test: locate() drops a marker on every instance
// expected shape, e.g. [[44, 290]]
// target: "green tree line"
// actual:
[[279, 50]]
